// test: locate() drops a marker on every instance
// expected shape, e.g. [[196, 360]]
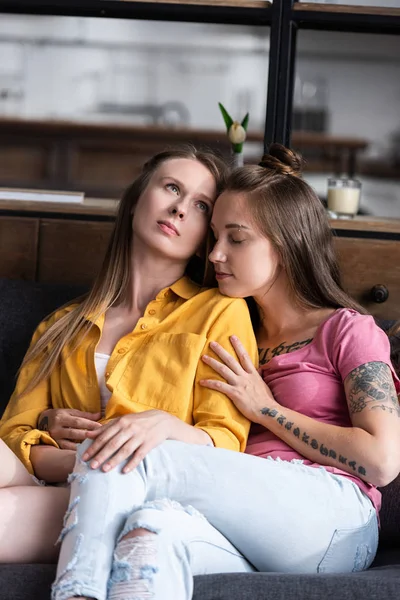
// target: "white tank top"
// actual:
[[100, 362]]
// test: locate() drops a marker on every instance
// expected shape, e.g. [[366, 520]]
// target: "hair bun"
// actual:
[[283, 161]]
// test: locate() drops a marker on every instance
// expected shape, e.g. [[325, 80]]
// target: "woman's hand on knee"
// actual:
[[128, 438]]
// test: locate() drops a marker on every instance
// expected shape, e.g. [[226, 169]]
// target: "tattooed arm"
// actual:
[[369, 449]]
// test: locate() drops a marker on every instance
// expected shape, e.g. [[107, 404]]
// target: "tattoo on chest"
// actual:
[[302, 435], [265, 354], [44, 424]]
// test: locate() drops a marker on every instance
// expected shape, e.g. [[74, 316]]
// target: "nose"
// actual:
[[217, 255], [178, 210]]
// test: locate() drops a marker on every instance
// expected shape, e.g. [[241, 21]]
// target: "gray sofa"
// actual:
[[22, 306]]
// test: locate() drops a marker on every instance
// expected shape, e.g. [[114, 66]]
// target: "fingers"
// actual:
[[113, 450], [219, 368], [140, 453], [85, 415], [113, 446], [93, 434], [229, 360], [123, 453], [70, 433], [244, 358], [79, 423], [108, 432], [220, 386], [67, 445]]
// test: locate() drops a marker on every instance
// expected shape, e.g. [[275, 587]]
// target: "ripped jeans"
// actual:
[[260, 514]]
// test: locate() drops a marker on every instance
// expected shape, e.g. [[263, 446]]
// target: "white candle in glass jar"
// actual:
[[344, 196]]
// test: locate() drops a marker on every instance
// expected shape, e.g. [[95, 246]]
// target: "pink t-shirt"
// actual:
[[310, 381]]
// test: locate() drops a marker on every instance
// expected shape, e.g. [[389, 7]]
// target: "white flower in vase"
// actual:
[[236, 134]]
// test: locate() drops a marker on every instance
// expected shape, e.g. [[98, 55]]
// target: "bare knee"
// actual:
[[140, 532]]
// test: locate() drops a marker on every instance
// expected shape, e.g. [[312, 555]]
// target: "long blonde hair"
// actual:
[[112, 282]]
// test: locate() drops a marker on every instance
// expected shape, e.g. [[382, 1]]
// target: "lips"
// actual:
[[219, 275], [168, 228]]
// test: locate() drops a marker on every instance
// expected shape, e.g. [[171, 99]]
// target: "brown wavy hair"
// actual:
[[111, 285], [289, 213]]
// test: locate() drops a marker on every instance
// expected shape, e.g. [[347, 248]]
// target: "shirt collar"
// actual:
[[185, 288]]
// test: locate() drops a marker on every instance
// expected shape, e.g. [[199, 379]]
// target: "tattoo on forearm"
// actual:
[[371, 386], [265, 354], [315, 445], [44, 424]]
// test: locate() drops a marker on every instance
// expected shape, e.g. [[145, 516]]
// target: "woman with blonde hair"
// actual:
[[125, 359], [304, 497]]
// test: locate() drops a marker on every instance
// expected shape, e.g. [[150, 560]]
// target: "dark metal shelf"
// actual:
[[236, 12], [358, 19]]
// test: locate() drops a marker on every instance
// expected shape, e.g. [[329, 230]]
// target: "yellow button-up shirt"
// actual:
[[156, 366]]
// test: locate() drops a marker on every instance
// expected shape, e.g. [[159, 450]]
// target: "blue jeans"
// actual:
[[236, 513]]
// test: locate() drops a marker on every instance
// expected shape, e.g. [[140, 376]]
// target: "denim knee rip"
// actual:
[[135, 558], [134, 568]]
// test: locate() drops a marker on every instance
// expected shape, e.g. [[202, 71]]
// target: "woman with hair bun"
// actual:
[[326, 433]]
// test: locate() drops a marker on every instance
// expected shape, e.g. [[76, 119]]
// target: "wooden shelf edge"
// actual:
[[229, 12], [345, 9], [90, 207], [213, 3], [367, 223]]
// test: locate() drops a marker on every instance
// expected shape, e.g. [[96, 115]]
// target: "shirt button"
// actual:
[[122, 351], [152, 311], [107, 374], [143, 326]]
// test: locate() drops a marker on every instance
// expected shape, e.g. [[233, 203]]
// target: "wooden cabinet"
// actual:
[[66, 244], [18, 247], [68, 248], [370, 271], [369, 255], [71, 251]]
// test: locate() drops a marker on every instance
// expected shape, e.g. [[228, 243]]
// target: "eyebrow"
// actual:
[[201, 195], [235, 226], [231, 226]]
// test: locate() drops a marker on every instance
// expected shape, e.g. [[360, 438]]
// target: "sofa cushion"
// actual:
[[390, 515], [390, 511], [32, 582], [23, 304]]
